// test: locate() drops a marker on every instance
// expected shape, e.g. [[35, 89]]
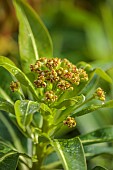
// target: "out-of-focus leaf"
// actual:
[[17, 73], [4, 95], [24, 111], [99, 168], [34, 39], [97, 149], [71, 153], [6, 106], [102, 64], [92, 108], [103, 75], [98, 136]]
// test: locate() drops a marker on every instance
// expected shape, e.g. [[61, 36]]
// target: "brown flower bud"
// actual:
[[14, 86], [100, 94], [70, 122]]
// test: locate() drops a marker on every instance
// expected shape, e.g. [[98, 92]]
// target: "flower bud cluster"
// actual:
[[14, 86], [100, 94], [59, 72], [70, 122]]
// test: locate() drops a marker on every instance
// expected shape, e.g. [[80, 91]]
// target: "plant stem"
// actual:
[[40, 149]]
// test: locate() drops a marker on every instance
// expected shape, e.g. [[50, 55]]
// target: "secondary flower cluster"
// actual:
[[70, 122], [100, 94], [60, 73]]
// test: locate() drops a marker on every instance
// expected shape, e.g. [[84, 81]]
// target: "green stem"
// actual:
[[40, 150]]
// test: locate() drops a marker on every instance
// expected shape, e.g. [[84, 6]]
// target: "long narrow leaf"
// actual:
[[34, 39], [97, 136], [93, 108], [97, 149]]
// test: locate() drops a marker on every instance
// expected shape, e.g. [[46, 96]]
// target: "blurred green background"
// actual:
[[81, 30]]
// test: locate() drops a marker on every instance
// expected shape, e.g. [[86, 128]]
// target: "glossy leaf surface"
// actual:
[[24, 111], [8, 157], [71, 153]]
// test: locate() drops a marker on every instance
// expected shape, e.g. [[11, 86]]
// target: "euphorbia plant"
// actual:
[[51, 94]]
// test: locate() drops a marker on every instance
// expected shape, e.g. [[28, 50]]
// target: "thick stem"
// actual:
[[40, 149]]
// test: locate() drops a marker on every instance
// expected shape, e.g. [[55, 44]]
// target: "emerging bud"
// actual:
[[70, 122]]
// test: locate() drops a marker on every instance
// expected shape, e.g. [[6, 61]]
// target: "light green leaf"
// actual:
[[69, 102], [45, 110], [98, 136], [108, 104], [69, 109], [17, 73], [71, 153], [34, 39], [103, 75], [24, 111], [8, 157], [99, 168]]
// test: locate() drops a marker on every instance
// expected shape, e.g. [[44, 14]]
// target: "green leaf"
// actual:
[[71, 153], [98, 72], [17, 73], [45, 110], [69, 102], [8, 157], [69, 109], [6, 106], [24, 111], [93, 108], [108, 104], [98, 136], [103, 75], [99, 168], [34, 39], [97, 149], [5, 96], [9, 161]]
